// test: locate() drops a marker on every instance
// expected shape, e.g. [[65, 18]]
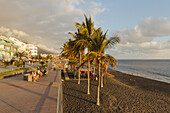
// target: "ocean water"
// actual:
[[153, 69]]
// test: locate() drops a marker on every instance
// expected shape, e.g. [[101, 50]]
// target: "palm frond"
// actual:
[[91, 55], [112, 41], [77, 25], [72, 34], [110, 59]]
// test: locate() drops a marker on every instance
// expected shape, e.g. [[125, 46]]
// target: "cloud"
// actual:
[[147, 30], [37, 40], [155, 27], [12, 32], [141, 41], [44, 22], [149, 45]]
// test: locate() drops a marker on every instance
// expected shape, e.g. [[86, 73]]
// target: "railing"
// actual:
[[60, 94]]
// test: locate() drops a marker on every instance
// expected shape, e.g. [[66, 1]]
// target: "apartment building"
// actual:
[[22, 46], [33, 49], [7, 48]]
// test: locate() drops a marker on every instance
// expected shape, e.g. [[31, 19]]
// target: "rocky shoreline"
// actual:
[[123, 93]]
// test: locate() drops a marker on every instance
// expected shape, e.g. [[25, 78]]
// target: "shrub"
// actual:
[[5, 63], [18, 63]]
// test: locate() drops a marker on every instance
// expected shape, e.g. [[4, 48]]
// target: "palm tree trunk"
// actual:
[[32, 63], [94, 69], [69, 67], [88, 91], [98, 92], [74, 71], [102, 78], [79, 70]]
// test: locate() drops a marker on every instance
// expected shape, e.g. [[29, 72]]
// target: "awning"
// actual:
[[85, 70]]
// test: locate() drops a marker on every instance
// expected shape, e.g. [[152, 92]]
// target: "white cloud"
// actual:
[[147, 30], [26, 38], [152, 27], [125, 45], [149, 45], [12, 32], [96, 11], [139, 41], [44, 22]]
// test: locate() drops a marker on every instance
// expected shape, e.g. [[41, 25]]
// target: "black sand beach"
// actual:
[[119, 94]]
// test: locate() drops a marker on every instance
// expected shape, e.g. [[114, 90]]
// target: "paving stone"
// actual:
[[19, 96]]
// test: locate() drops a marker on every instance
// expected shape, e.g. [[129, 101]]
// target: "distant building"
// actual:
[[7, 48], [44, 55], [22, 46], [56, 56], [33, 49]]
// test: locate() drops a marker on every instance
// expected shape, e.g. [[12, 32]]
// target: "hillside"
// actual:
[[43, 51]]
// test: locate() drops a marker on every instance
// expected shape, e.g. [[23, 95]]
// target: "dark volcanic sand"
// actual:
[[119, 94]]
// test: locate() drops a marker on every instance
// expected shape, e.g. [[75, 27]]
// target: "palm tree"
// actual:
[[106, 58], [104, 72], [48, 57], [73, 62], [18, 63], [20, 54], [96, 43], [90, 26], [70, 52], [87, 28], [102, 63], [79, 47], [99, 44], [32, 58], [39, 58]]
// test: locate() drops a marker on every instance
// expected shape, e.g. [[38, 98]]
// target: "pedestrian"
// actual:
[[45, 72], [23, 64]]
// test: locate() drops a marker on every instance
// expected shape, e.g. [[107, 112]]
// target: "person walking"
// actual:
[[23, 64]]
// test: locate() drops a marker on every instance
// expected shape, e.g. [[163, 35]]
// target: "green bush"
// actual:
[[12, 71], [5, 63], [18, 63], [42, 63]]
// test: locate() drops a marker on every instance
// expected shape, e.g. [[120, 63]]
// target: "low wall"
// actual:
[[14, 73]]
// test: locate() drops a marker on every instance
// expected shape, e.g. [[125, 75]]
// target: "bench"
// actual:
[[27, 77]]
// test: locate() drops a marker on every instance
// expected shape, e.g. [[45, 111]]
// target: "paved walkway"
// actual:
[[19, 96]]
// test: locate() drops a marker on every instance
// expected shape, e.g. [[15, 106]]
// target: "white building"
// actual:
[[33, 49], [30, 49], [7, 48], [22, 46]]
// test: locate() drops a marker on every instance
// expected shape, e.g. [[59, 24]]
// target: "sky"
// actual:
[[142, 25]]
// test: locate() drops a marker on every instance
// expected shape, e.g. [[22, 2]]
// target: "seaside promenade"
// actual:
[[19, 96]]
